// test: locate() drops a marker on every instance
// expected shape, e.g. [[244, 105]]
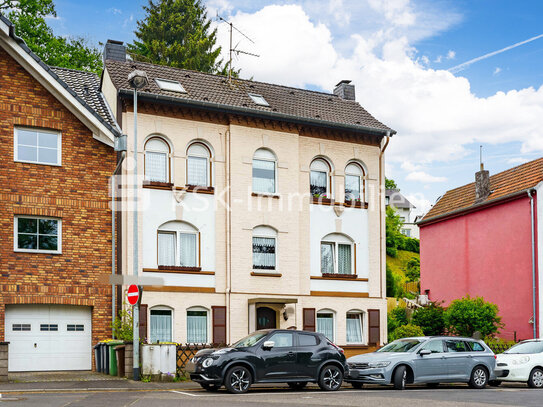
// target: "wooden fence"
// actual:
[[185, 352]]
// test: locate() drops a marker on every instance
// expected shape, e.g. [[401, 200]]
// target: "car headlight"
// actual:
[[522, 360], [378, 364], [208, 362]]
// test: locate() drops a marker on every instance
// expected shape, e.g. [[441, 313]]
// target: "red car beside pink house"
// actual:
[[482, 239]]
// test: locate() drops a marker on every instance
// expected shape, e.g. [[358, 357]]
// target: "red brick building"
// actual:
[[56, 140]]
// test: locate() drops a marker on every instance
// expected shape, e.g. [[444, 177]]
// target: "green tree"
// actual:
[[396, 317], [123, 325], [391, 285], [29, 17], [467, 315], [393, 234], [412, 271], [177, 33], [431, 319], [390, 184], [405, 331]]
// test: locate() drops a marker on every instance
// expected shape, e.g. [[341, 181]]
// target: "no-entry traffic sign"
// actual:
[[133, 294]]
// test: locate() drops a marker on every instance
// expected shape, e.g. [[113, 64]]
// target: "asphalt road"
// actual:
[[282, 396]]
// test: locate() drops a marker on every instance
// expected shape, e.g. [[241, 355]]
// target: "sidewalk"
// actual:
[[86, 381]]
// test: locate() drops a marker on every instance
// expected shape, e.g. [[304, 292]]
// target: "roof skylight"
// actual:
[[258, 99], [172, 86]]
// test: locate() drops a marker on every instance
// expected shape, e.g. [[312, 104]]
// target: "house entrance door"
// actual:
[[265, 318]]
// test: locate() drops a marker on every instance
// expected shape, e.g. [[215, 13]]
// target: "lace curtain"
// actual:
[[156, 166], [161, 326], [327, 258], [196, 327], [354, 328], [264, 253], [318, 182], [197, 171], [344, 259], [187, 249], [166, 249], [325, 325]]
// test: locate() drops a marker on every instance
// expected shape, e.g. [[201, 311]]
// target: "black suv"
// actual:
[[271, 356]]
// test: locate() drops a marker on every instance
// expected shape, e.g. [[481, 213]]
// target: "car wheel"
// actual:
[[357, 385], [536, 378], [238, 380], [479, 378], [432, 385], [210, 387], [400, 378], [297, 385], [495, 383], [330, 378]]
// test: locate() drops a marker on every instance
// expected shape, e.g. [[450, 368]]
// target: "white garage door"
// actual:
[[48, 337]]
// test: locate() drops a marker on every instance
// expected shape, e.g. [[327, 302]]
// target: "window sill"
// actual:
[[322, 201], [197, 189], [264, 274], [39, 163], [276, 196], [338, 277], [356, 204], [179, 270], [157, 185], [36, 251]]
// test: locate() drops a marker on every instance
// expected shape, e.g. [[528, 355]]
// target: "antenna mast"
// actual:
[[233, 49], [481, 157]]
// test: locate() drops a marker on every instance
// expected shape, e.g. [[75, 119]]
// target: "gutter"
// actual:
[[382, 244], [473, 208], [534, 287], [229, 109]]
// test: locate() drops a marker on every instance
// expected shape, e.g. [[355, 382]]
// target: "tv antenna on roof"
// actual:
[[481, 157], [234, 49]]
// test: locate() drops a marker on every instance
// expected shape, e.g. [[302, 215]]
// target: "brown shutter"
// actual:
[[309, 319], [219, 324], [374, 327], [143, 321]]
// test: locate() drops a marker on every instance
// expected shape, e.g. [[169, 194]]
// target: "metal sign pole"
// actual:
[[135, 312]]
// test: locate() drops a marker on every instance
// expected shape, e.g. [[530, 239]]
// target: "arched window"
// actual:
[[355, 323], [178, 245], [354, 182], [337, 254], [160, 324], [264, 170], [319, 183], [264, 248], [198, 165], [197, 318], [325, 323], [157, 160]]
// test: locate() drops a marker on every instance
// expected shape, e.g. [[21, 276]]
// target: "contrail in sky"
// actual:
[[464, 65]]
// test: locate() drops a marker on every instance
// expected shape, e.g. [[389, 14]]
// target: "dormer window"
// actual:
[[172, 86], [258, 99]]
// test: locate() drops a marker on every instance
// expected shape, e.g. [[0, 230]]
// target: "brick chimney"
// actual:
[[115, 50], [482, 184], [345, 90]]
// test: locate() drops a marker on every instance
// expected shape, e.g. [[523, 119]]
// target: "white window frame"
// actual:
[[362, 324], [361, 179], [261, 158], [169, 175], [37, 250], [208, 156], [334, 322], [336, 242], [16, 145], [268, 233], [166, 84], [258, 99], [209, 331], [162, 308], [328, 172], [180, 231]]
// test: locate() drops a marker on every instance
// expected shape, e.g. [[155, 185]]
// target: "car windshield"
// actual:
[[401, 345], [526, 347], [249, 340]]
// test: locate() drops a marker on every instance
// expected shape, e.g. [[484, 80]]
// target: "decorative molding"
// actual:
[[339, 210], [178, 289], [339, 294], [261, 274], [348, 277], [178, 270]]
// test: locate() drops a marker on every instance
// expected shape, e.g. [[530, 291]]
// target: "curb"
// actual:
[[93, 390]]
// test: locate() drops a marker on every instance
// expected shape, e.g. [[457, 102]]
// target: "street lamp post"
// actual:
[[138, 80]]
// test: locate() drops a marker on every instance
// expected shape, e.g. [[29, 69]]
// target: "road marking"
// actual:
[[185, 393]]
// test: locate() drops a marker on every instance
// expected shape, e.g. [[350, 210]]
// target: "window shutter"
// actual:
[[374, 326], [219, 324], [143, 321], [309, 319]]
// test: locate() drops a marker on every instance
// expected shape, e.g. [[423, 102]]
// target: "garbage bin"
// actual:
[[105, 358], [119, 352], [98, 357], [112, 358]]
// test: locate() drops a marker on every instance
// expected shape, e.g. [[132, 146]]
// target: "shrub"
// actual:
[[392, 284], [405, 331], [412, 271], [431, 319], [396, 317], [123, 325], [410, 244], [467, 315]]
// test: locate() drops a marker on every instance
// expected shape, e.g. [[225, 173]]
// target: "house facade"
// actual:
[[260, 206], [56, 230], [483, 239], [404, 208]]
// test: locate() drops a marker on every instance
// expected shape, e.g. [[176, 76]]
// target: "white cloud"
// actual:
[[114, 10], [517, 160], [215, 7], [424, 177], [438, 59], [451, 54], [497, 70], [422, 205]]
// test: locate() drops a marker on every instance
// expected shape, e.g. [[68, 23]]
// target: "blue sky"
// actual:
[[397, 52]]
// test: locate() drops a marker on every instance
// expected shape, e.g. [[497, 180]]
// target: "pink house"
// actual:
[[482, 239]]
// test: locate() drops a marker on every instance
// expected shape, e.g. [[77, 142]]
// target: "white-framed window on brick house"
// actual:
[[337, 254], [178, 245], [320, 178], [264, 249], [199, 165], [354, 182], [197, 325], [157, 160], [355, 326], [37, 234], [37, 146], [326, 323], [264, 172]]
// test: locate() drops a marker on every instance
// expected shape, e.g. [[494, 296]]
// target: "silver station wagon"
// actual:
[[431, 360]]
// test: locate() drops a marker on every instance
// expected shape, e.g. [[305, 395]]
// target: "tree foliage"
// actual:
[[123, 325], [393, 234], [177, 33], [405, 331], [412, 271], [431, 319], [390, 184], [467, 315], [29, 17], [396, 317], [392, 284]]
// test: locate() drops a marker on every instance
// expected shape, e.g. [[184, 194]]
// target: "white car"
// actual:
[[521, 363]]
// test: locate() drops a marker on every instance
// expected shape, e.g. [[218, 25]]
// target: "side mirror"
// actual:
[[425, 352], [268, 344]]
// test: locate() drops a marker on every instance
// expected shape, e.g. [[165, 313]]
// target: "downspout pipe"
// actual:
[[534, 297], [381, 185]]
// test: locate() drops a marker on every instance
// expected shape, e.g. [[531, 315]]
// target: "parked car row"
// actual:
[[299, 357]]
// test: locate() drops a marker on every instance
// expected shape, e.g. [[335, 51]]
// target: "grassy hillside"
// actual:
[[398, 264]]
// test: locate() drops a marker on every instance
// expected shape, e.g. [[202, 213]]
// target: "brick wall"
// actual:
[[76, 192]]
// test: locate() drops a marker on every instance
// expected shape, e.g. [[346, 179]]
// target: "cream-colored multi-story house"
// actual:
[[260, 206]]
